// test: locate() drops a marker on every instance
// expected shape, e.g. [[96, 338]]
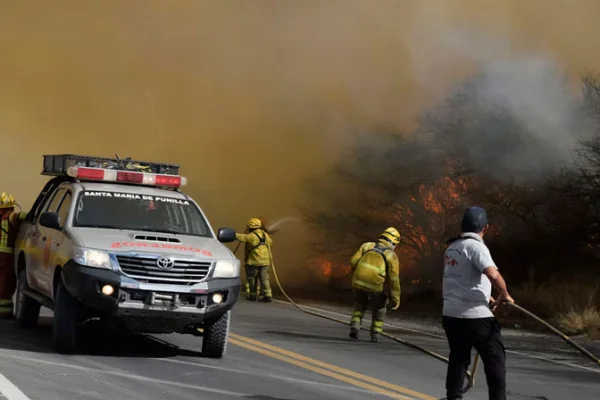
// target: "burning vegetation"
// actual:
[[477, 147], [430, 203]]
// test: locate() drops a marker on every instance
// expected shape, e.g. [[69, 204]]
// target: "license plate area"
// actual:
[[163, 299], [173, 300]]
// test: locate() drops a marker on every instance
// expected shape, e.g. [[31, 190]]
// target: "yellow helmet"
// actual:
[[6, 201], [392, 235], [254, 223]]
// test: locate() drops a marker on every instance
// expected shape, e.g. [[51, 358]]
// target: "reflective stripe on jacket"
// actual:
[[9, 224], [369, 269]]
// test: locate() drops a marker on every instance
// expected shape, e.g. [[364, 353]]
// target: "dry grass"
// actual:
[[573, 307], [585, 321]]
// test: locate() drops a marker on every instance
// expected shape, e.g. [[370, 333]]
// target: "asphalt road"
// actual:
[[275, 353]]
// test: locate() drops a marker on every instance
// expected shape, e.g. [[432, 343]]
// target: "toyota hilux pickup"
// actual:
[[117, 240]]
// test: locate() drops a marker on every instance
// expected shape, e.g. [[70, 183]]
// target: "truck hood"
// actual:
[[118, 241]]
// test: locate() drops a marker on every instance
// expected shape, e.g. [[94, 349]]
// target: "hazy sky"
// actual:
[[252, 97]]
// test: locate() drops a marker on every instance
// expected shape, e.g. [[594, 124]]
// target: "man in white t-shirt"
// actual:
[[469, 272]]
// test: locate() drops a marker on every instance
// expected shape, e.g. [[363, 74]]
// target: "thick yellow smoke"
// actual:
[[252, 97]]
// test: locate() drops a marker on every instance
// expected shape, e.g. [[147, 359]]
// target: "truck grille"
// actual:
[[144, 269]]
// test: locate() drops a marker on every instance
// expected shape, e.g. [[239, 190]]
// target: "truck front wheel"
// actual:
[[216, 333], [27, 310], [66, 318]]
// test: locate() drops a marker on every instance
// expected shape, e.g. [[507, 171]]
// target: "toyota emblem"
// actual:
[[165, 263]]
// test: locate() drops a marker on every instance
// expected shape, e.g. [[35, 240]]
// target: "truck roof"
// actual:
[[131, 189], [114, 171]]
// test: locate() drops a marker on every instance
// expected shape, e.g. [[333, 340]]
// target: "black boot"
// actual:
[[374, 337], [354, 329], [266, 299]]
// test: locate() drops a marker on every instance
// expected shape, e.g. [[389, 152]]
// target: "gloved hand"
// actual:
[[273, 230], [395, 304]]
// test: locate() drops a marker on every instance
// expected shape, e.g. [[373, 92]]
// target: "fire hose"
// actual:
[[470, 374], [556, 332]]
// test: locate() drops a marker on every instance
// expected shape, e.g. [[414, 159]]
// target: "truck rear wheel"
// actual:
[[66, 318], [214, 343], [27, 309]]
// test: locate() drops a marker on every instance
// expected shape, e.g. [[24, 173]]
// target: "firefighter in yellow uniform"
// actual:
[[373, 265], [9, 225], [257, 259]]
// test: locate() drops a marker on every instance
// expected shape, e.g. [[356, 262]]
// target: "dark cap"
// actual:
[[474, 220]]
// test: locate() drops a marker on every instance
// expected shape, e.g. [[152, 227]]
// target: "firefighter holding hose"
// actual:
[[9, 225], [257, 259], [373, 265]]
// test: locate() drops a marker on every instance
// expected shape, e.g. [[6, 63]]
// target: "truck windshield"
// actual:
[[114, 210]]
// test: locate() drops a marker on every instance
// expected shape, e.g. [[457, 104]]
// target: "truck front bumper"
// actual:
[[150, 308]]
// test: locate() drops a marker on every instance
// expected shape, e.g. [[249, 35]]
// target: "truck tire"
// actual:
[[214, 343], [66, 318], [27, 309]]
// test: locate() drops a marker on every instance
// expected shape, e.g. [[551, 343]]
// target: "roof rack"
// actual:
[[58, 164]]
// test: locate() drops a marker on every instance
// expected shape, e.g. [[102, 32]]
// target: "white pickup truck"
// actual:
[[117, 239]]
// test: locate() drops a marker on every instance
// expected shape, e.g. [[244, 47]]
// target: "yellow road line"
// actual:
[[338, 370], [318, 370]]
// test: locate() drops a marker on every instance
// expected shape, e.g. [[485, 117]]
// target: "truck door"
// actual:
[[44, 237], [60, 247]]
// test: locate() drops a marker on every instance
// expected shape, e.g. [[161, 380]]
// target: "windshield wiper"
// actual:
[[101, 226], [122, 228]]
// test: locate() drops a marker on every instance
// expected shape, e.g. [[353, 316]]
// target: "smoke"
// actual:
[[251, 97], [515, 116]]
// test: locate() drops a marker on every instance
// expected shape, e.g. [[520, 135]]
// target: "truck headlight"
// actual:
[[227, 269], [91, 258]]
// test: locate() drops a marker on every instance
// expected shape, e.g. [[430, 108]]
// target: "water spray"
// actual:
[[273, 227], [280, 222]]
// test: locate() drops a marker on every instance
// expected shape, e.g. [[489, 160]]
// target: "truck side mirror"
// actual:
[[226, 235], [50, 220]]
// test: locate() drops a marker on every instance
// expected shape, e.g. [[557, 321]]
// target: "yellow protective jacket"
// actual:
[[9, 224], [369, 270], [257, 253]]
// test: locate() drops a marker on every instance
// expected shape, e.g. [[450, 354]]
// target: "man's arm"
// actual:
[[498, 281], [269, 239], [17, 217], [354, 259], [272, 231], [482, 260], [394, 275], [247, 238]]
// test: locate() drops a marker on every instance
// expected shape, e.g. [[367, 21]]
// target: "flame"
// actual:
[[327, 268], [443, 194], [438, 199]]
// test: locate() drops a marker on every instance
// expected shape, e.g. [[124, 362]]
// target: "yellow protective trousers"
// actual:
[[254, 275], [378, 302]]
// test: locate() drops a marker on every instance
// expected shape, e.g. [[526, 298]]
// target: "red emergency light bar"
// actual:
[[112, 175]]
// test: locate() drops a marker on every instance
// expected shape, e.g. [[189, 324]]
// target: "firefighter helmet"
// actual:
[[391, 235], [6, 201], [254, 223]]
